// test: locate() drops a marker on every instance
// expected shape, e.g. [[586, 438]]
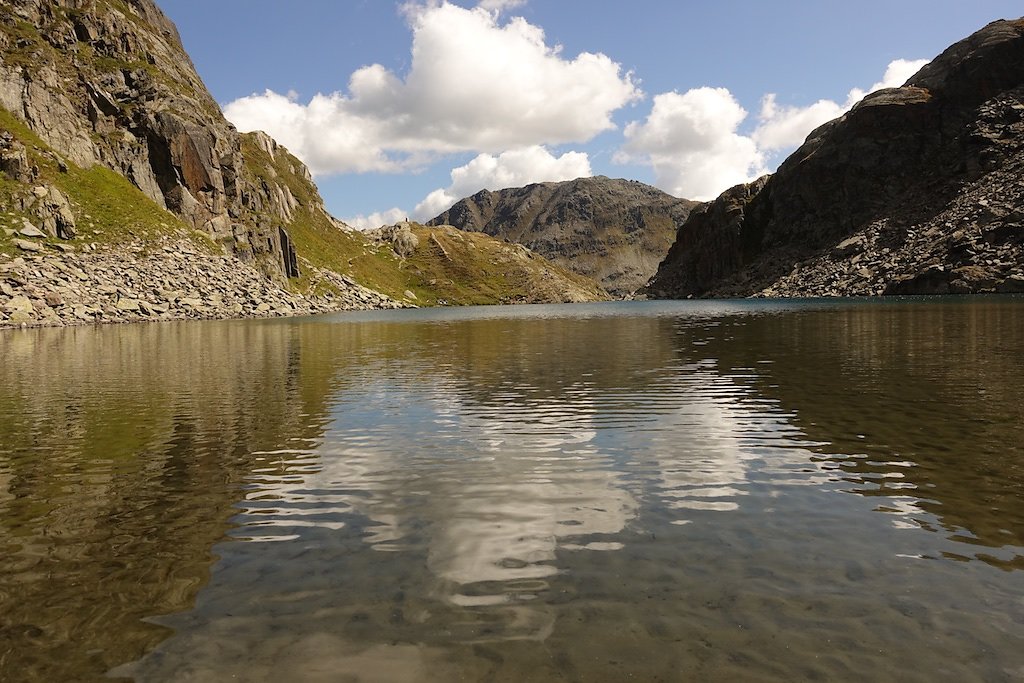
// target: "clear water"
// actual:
[[727, 491]]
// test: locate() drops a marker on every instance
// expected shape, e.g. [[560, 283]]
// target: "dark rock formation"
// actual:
[[711, 246], [917, 189], [614, 231], [289, 258]]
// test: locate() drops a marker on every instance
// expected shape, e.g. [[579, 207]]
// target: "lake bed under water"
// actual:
[[656, 491]]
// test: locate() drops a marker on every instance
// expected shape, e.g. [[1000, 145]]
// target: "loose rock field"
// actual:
[[171, 281]]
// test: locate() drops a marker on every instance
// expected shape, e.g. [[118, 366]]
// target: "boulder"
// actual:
[[25, 245], [29, 230], [18, 303], [14, 161], [58, 213], [127, 305], [932, 280]]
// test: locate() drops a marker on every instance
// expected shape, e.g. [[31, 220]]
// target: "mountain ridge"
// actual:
[[916, 189], [615, 231]]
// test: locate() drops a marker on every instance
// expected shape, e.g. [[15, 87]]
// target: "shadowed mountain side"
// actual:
[[915, 190]]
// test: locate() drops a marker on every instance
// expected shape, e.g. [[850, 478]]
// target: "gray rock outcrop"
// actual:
[[109, 83], [399, 237]]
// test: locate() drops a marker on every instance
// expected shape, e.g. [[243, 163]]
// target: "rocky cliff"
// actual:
[[107, 82], [125, 195], [614, 231], [917, 189]]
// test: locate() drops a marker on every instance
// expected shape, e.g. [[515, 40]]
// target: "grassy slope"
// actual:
[[476, 270], [107, 207], [473, 268]]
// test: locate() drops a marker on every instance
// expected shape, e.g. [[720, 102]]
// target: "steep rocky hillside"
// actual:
[[918, 189], [125, 194], [614, 231], [106, 83]]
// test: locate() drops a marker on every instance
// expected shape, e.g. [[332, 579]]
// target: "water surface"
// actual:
[[650, 491]]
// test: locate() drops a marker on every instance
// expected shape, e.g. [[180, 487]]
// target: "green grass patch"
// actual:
[[112, 209], [108, 208]]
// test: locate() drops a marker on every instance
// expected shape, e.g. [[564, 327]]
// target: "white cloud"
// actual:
[[786, 127], [693, 143], [377, 219], [474, 84], [514, 168]]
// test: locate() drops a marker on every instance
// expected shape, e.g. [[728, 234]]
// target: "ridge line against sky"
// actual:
[[468, 97]]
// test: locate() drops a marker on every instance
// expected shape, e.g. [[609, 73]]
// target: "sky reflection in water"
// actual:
[[644, 488]]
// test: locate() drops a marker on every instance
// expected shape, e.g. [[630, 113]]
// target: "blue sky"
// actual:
[[400, 108]]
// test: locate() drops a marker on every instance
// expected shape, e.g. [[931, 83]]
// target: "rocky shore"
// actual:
[[173, 279], [964, 251]]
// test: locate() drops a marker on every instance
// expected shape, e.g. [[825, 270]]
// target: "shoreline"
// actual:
[[169, 280]]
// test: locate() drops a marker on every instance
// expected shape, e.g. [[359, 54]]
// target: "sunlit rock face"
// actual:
[[110, 83]]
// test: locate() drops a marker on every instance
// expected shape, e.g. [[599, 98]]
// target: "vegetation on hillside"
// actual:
[[447, 267], [108, 208]]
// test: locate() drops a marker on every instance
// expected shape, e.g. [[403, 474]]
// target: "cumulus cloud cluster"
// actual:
[[474, 84], [480, 83], [693, 142]]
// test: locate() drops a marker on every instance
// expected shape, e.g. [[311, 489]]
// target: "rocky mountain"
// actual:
[[107, 83], [118, 171], [917, 189], [614, 231]]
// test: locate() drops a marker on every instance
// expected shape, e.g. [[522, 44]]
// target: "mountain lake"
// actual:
[[745, 490]]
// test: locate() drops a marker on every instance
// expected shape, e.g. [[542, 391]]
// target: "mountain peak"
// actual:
[[615, 231]]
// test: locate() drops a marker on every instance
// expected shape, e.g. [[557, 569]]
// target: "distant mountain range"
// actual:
[[614, 231]]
